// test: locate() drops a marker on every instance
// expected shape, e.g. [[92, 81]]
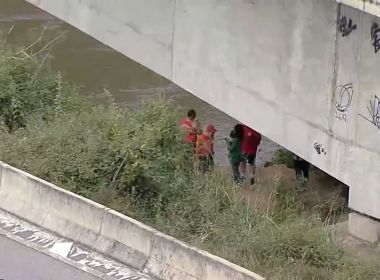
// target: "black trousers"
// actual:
[[302, 168]]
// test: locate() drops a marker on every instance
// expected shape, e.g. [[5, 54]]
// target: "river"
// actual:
[[95, 67]]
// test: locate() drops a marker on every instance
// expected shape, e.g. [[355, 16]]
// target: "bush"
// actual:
[[101, 147], [28, 89], [282, 156]]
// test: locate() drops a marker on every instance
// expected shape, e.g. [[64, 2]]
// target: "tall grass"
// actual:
[[137, 163]]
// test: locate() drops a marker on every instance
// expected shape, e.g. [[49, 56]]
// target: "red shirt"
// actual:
[[190, 130], [251, 141]]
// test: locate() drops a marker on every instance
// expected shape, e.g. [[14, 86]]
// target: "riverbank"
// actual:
[[135, 161]]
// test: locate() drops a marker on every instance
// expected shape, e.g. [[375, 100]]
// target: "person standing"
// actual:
[[251, 141], [235, 153], [190, 127], [301, 167], [204, 149]]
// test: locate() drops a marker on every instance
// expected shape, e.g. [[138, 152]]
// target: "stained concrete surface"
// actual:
[[19, 262], [61, 249]]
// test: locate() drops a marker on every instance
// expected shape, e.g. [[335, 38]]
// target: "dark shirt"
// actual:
[[235, 153]]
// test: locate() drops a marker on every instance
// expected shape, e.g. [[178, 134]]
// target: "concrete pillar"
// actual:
[[364, 227]]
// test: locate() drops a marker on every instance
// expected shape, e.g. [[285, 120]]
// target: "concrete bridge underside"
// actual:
[[304, 73]]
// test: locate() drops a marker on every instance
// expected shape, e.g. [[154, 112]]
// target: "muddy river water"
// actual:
[[95, 67]]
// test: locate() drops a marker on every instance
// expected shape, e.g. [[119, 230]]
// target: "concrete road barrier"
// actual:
[[109, 232]]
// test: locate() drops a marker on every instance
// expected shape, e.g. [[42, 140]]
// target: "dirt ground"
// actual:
[[324, 194]]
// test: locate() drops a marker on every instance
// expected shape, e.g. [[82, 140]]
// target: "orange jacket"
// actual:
[[204, 146]]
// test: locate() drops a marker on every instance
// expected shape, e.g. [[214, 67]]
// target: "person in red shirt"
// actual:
[[190, 127], [249, 146], [204, 149]]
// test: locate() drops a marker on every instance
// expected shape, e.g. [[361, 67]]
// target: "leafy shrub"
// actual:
[[27, 88], [101, 147], [282, 156]]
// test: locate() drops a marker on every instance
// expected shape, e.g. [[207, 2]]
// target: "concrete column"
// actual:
[[364, 227]]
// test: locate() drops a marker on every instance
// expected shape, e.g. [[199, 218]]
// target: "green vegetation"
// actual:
[[282, 156], [28, 90], [136, 163]]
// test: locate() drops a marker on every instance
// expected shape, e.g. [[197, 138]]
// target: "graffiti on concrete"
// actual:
[[346, 26], [343, 99], [375, 36], [320, 149], [374, 112]]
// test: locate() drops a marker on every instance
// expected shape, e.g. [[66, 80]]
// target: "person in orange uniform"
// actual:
[[204, 149], [190, 127]]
